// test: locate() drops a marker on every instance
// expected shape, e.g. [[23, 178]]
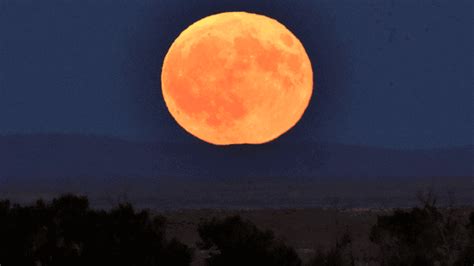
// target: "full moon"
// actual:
[[237, 78]]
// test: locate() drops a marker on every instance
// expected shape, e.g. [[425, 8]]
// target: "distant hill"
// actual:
[[32, 164], [69, 156]]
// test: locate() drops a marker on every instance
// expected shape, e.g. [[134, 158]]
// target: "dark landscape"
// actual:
[[166, 176], [66, 231], [325, 216]]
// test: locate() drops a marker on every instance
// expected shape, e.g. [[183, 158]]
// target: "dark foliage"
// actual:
[[67, 232], [467, 256], [340, 255], [235, 242], [420, 236]]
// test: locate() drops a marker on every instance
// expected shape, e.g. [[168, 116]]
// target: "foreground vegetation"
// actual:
[[66, 231]]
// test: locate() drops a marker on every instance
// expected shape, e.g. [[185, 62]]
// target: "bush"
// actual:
[[67, 232], [340, 255], [467, 256], [234, 242], [420, 236]]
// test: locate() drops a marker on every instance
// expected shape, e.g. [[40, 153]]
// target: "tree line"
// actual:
[[67, 231]]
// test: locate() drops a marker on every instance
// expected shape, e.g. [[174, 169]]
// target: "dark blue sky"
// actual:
[[387, 73]]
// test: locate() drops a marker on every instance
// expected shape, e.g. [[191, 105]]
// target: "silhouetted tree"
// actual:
[[68, 232], [467, 256], [235, 242], [420, 236], [340, 255]]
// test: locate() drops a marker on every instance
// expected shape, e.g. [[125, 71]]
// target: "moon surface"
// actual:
[[237, 78]]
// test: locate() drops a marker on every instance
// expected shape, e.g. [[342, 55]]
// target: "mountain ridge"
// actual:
[[71, 155]]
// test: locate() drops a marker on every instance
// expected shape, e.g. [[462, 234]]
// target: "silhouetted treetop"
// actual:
[[420, 236], [67, 231], [235, 242]]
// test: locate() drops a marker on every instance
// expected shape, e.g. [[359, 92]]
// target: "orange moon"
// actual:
[[237, 78]]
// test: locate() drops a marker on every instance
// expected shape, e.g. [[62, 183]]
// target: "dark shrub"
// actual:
[[420, 236], [340, 255], [68, 232], [467, 256], [234, 242]]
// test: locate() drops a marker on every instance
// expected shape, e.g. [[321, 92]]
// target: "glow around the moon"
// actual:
[[237, 78]]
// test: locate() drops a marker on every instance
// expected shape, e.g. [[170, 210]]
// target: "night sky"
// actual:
[[387, 73]]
